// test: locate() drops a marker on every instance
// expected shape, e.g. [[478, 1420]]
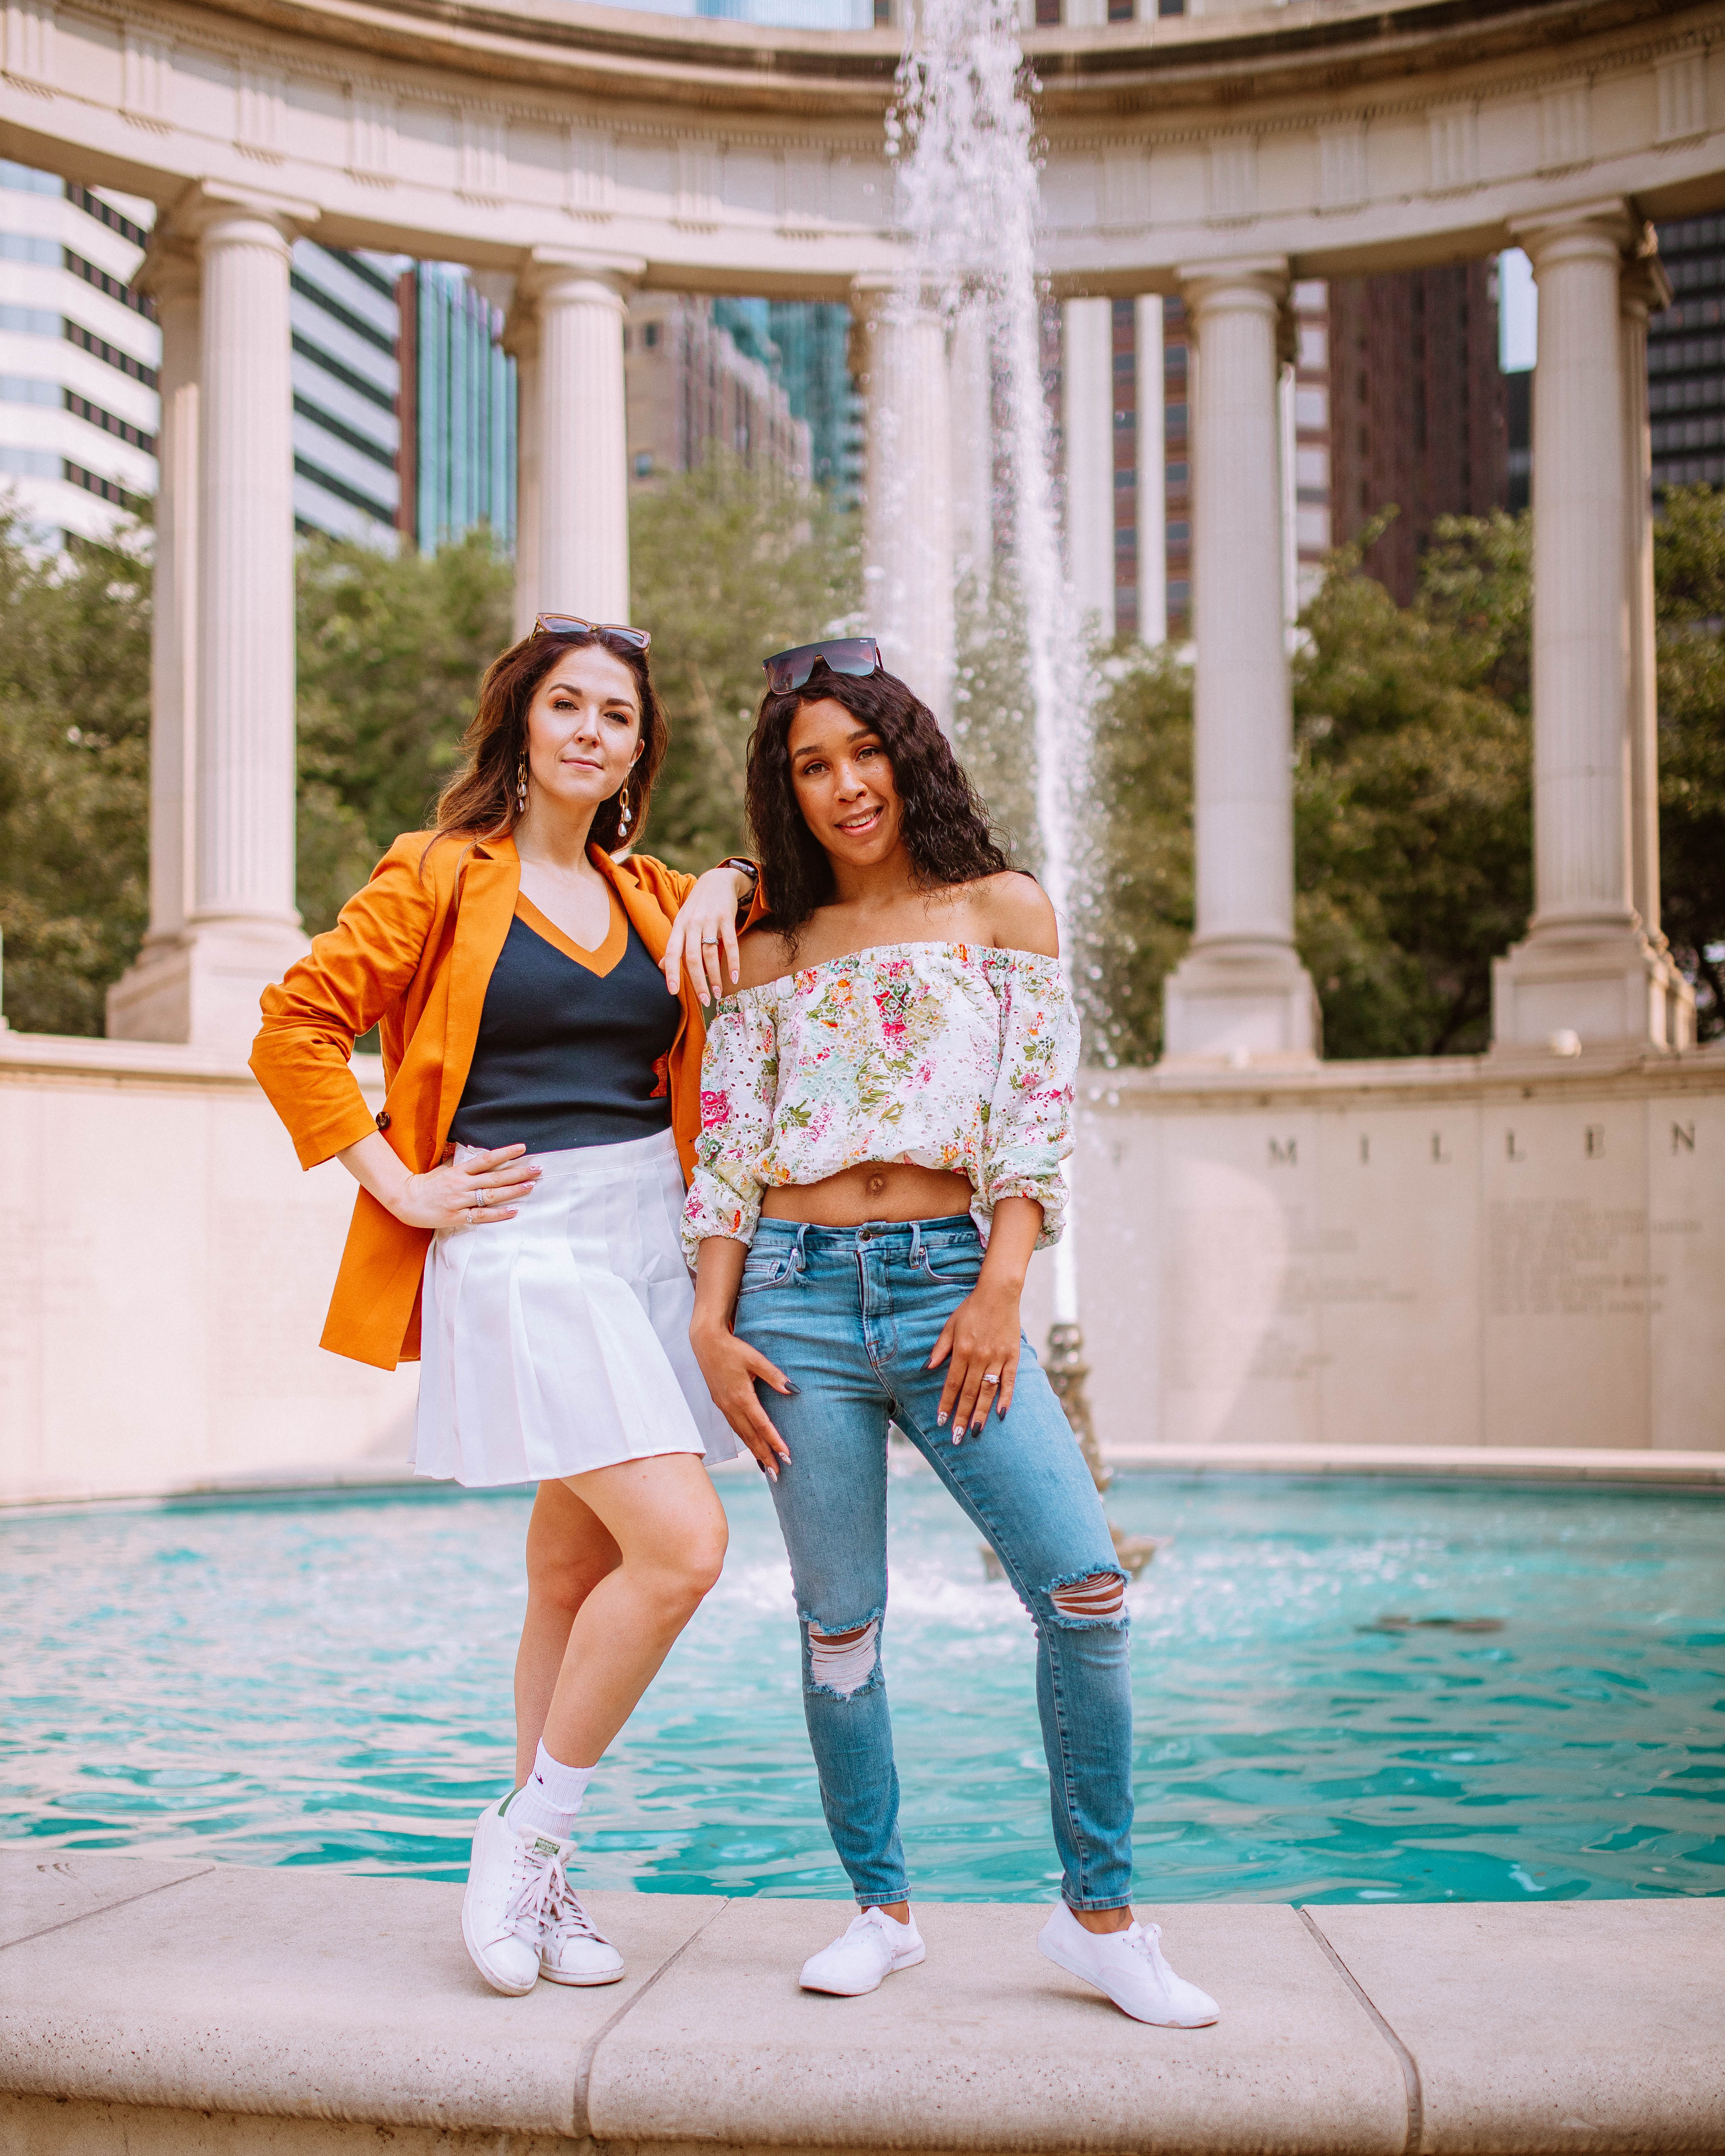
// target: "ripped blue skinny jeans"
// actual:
[[851, 1315]]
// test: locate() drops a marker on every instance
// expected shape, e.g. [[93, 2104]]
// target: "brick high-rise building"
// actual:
[[1418, 409]]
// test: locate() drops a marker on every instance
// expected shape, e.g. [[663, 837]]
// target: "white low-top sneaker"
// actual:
[[874, 1945], [572, 1949], [513, 1884], [1129, 1967]]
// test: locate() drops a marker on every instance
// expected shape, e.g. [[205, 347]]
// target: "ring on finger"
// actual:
[[709, 942], [991, 1377]]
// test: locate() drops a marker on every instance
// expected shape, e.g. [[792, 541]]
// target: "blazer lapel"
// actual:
[[490, 885]]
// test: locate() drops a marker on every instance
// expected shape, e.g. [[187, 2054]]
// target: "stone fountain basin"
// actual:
[[166, 2008]]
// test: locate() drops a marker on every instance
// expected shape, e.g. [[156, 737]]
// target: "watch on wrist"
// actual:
[[746, 868]]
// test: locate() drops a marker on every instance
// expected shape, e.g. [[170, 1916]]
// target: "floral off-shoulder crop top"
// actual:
[[943, 1055]]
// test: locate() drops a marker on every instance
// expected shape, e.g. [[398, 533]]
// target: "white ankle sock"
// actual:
[[550, 1798]]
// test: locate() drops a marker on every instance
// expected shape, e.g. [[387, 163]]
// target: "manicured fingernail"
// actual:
[[793, 1391], [959, 1433], [940, 1420]]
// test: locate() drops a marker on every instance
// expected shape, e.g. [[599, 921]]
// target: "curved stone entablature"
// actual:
[[719, 156]]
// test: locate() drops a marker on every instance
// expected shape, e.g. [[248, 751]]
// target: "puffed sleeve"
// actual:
[[336, 993], [1030, 1113], [739, 1091]]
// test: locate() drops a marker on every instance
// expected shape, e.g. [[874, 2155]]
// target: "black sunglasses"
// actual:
[[845, 654], [572, 625]]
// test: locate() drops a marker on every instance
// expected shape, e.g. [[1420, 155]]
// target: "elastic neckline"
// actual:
[[962, 952]]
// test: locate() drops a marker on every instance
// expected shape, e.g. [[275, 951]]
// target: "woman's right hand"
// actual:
[[464, 1193], [467, 1192]]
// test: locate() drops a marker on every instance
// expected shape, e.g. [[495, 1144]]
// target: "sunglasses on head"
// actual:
[[572, 625], [845, 654]]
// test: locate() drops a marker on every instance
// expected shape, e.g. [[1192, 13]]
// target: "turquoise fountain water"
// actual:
[[328, 1683]]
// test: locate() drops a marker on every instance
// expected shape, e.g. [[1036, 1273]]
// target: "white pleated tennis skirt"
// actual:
[[558, 1341]]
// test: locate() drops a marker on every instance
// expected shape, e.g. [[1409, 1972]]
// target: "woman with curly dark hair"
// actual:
[[886, 1104]]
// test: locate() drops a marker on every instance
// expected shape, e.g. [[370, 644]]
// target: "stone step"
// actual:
[[179, 2009]]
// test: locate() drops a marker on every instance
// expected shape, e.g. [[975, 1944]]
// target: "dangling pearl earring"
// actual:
[[623, 816], [521, 786]]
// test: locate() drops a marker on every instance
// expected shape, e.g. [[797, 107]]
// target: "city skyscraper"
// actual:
[[79, 352]]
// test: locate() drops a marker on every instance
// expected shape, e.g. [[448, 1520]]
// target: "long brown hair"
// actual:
[[479, 802]]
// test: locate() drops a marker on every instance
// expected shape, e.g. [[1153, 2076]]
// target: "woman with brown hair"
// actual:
[[517, 1226]]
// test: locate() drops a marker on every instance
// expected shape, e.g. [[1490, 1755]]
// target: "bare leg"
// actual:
[[569, 1552], [665, 1520]]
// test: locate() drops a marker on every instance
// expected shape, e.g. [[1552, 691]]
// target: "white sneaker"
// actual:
[[513, 1884], [572, 1949], [1128, 1966], [875, 1945]]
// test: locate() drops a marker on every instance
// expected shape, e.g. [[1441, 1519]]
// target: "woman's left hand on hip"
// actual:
[[979, 1345]]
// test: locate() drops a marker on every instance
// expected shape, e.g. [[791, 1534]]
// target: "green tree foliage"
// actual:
[[391, 649], [1411, 793], [727, 565], [1689, 571], [75, 761]]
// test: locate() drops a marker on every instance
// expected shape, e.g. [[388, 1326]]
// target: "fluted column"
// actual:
[[579, 304], [149, 1002], [1152, 476], [1240, 994], [225, 631], [243, 857], [521, 341], [1587, 972], [907, 499], [1087, 413], [1644, 287]]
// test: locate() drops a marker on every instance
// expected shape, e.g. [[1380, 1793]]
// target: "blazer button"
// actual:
[[382, 1119]]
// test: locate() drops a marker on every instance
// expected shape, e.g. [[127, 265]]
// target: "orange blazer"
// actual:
[[413, 953]]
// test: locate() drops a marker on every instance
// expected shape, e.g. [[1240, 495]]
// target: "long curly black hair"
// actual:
[[947, 830]]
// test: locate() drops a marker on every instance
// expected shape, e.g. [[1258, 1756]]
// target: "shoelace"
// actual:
[[568, 1919], [539, 1888]]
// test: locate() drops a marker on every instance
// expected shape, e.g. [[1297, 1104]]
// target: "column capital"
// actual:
[[1604, 223], [876, 295], [547, 272], [208, 205], [170, 269], [1646, 286], [1250, 281]]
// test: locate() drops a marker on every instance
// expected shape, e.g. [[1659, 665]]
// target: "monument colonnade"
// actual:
[[1592, 967], [1523, 1247]]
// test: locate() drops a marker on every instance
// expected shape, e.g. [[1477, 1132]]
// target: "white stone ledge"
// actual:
[[1462, 1463], [180, 2010], [57, 1055]]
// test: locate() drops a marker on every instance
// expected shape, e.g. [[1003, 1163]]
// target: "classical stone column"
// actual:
[[1087, 414], [972, 392], [1240, 994], [1152, 476], [151, 1000], [241, 928], [907, 498], [1588, 972], [579, 438], [521, 341]]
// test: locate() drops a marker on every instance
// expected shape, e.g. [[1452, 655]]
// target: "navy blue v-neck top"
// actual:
[[568, 1054]]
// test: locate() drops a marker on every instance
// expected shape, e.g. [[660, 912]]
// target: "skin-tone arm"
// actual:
[[730, 1366]]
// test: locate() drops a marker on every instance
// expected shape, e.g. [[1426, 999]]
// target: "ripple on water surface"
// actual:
[[329, 1683]]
